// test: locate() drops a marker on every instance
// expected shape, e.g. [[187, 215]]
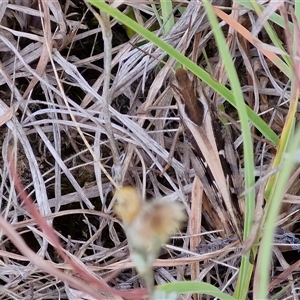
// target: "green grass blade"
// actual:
[[243, 115], [202, 74], [263, 264], [194, 287], [246, 268], [167, 16]]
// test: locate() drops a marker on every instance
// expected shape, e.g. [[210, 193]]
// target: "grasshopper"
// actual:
[[219, 167]]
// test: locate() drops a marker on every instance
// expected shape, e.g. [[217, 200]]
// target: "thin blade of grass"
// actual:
[[246, 267], [201, 73], [194, 287]]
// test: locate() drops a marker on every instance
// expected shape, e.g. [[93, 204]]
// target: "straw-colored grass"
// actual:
[[81, 115]]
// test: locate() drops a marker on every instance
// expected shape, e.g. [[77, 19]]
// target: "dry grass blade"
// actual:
[[46, 49], [195, 223], [57, 100]]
